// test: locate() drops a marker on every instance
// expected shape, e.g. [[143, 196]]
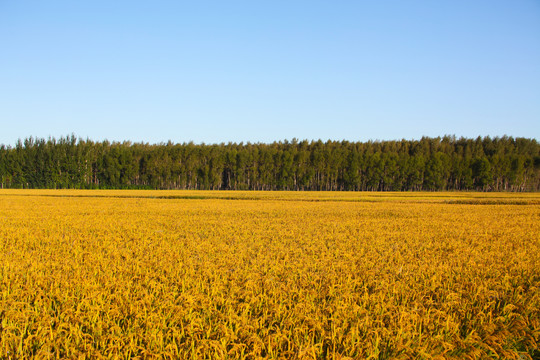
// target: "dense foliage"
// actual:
[[488, 164]]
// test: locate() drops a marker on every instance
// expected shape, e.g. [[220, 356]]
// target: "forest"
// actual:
[[429, 164]]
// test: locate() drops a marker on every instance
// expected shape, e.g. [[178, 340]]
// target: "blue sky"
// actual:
[[263, 71]]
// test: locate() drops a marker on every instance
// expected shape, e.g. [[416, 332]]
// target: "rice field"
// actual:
[[269, 275]]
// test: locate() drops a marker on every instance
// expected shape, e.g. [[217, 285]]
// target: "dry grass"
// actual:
[[180, 274]]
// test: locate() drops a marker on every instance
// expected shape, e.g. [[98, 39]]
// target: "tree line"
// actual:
[[447, 163]]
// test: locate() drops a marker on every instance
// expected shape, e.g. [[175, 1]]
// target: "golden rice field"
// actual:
[[277, 275]]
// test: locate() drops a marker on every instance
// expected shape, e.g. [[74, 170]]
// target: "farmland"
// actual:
[[202, 274]]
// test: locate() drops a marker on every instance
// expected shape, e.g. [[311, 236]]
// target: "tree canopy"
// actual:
[[447, 163]]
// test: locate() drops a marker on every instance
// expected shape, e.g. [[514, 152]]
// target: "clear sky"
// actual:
[[263, 71]]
